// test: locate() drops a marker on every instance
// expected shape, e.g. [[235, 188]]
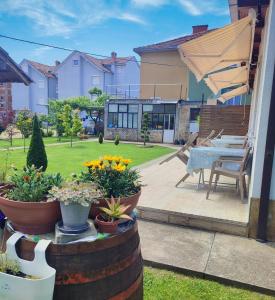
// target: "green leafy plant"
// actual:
[[100, 138], [37, 154], [32, 185], [9, 266], [5, 167], [145, 133], [24, 124], [113, 175], [114, 211], [75, 192], [117, 140]]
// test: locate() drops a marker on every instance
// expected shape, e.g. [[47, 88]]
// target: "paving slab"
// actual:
[[174, 246], [225, 258], [243, 260]]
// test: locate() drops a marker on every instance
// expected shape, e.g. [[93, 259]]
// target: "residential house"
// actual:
[[80, 72], [9, 72], [36, 96], [169, 92]]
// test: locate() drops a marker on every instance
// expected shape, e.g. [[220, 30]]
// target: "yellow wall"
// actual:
[[154, 74]]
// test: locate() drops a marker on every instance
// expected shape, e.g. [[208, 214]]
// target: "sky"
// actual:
[[100, 26]]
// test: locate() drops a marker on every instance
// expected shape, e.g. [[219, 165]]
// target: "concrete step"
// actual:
[[193, 221]]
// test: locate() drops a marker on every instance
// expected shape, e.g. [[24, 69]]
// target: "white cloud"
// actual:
[[197, 8], [39, 52], [131, 18], [149, 2], [62, 17]]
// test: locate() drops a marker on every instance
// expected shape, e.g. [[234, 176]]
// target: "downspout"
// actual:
[[267, 169]]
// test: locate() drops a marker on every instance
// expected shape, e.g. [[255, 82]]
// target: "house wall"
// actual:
[[33, 97], [198, 90], [52, 84], [162, 74], [263, 92]]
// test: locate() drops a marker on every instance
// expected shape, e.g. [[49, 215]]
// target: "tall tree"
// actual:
[[145, 133], [24, 124], [37, 154]]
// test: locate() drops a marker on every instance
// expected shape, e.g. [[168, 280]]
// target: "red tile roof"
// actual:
[[170, 44], [104, 63], [48, 71]]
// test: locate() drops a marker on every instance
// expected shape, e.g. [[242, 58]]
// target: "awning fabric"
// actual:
[[219, 48], [235, 92], [228, 78]]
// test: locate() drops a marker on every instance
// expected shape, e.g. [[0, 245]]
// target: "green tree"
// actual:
[[59, 126], [95, 91], [37, 154], [24, 124], [77, 124], [71, 122], [145, 133], [100, 138], [117, 139]]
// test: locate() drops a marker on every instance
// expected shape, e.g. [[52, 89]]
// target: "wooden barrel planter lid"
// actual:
[[104, 269]]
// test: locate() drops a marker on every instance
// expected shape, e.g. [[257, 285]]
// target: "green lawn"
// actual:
[[67, 160], [17, 142], [164, 285]]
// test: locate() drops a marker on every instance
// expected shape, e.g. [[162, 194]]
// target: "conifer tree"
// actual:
[[145, 133], [37, 154]]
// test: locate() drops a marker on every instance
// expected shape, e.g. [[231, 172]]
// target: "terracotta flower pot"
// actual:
[[104, 226], [131, 200], [31, 217]]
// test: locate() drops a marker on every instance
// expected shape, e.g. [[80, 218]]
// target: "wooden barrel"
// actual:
[[105, 269]]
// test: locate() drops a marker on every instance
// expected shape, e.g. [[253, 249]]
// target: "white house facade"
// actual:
[[80, 72], [35, 97]]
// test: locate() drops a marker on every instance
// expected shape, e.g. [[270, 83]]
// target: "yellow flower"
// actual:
[[126, 161], [88, 164], [119, 168], [109, 158], [117, 159]]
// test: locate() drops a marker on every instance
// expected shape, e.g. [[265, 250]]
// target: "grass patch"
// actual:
[[165, 285], [67, 160], [19, 142]]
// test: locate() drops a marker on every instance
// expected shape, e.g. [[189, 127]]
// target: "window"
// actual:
[[41, 84], [75, 62], [194, 113], [123, 116], [159, 115], [96, 80]]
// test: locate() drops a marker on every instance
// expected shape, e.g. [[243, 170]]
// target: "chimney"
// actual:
[[57, 62], [114, 56], [199, 28]]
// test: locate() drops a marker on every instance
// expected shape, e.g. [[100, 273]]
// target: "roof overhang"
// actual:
[[221, 48], [10, 71]]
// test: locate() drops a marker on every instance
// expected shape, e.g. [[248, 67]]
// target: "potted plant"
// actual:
[[75, 201], [116, 179], [108, 220], [23, 279], [25, 204]]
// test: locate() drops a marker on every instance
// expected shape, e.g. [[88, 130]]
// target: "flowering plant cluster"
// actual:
[[31, 184], [75, 193], [113, 175]]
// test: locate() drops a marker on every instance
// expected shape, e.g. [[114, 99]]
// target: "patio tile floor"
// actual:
[[160, 193]]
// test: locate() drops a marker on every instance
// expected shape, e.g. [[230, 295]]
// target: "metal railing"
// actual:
[[146, 90]]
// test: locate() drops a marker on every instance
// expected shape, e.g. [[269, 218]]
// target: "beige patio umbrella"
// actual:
[[233, 93], [220, 48], [227, 78]]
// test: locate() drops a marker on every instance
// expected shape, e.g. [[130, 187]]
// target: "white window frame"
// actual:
[[96, 84], [41, 84]]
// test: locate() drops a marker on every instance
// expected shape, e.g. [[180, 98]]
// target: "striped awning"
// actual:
[[228, 78], [233, 93], [221, 48]]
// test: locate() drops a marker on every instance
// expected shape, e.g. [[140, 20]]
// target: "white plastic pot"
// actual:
[[18, 288]]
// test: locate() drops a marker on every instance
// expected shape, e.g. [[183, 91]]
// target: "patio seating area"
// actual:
[[169, 197]]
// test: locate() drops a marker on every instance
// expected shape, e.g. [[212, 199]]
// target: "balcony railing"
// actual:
[[146, 91]]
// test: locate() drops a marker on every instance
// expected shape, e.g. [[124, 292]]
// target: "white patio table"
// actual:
[[235, 137], [203, 157], [227, 142]]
